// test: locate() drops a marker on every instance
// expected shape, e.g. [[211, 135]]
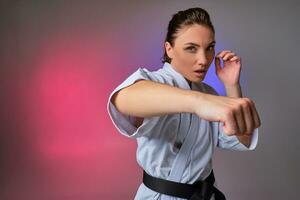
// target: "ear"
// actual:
[[169, 50]]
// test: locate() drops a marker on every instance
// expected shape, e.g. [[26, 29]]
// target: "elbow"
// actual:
[[245, 140], [124, 99], [117, 101]]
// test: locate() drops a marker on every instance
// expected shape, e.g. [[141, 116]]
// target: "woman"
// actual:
[[177, 119]]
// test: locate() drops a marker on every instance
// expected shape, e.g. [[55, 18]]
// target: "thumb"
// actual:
[[217, 64], [228, 127]]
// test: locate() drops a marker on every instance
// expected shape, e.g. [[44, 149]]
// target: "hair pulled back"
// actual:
[[185, 18]]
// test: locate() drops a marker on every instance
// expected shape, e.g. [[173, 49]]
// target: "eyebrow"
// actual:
[[195, 44]]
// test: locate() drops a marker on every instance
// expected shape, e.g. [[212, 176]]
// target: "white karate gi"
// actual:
[[159, 137]]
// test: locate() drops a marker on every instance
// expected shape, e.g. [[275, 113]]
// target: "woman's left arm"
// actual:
[[229, 74], [236, 91]]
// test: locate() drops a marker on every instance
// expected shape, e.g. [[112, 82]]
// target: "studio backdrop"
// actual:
[[59, 61]]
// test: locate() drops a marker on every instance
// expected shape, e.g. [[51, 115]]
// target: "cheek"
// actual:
[[187, 57]]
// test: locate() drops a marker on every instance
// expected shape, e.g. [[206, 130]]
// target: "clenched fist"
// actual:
[[239, 115]]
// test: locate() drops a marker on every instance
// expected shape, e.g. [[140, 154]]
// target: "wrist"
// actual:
[[232, 86], [233, 90]]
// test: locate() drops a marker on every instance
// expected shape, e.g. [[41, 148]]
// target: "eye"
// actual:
[[191, 49], [210, 48]]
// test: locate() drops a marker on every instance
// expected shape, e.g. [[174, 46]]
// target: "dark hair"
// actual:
[[183, 18]]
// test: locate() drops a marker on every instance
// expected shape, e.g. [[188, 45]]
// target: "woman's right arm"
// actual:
[[147, 98]]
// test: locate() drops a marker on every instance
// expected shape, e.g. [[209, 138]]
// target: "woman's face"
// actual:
[[193, 51]]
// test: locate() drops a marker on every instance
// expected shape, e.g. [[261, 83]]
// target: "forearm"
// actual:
[[236, 91], [147, 98]]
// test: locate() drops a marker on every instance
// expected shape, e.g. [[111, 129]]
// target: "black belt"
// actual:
[[200, 190]]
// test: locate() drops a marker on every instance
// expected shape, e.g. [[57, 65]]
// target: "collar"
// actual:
[[182, 82]]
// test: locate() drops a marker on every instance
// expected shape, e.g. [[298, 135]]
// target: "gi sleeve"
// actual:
[[233, 143], [124, 123]]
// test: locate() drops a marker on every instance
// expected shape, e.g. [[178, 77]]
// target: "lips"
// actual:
[[200, 71]]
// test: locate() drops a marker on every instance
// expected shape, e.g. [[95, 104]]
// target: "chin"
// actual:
[[198, 80]]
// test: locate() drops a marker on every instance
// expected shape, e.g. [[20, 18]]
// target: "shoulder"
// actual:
[[158, 75]]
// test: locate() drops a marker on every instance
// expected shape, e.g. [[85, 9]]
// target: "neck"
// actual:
[[189, 82], [174, 67]]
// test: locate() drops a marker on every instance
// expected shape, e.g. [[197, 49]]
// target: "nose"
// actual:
[[202, 58]]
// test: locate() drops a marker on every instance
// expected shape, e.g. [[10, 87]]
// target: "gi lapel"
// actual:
[[181, 160]]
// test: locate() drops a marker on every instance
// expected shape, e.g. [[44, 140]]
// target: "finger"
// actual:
[[239, 117], [256, 118], [249, 120], [228, 56], [230, 125], [235, 58], [222, 53], [217, 64]]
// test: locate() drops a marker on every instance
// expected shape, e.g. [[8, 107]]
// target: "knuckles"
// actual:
[[240, 107]]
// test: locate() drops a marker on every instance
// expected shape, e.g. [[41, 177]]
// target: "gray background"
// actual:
[[264, 33]]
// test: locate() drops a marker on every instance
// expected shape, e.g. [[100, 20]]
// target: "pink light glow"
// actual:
[[63, 98]]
